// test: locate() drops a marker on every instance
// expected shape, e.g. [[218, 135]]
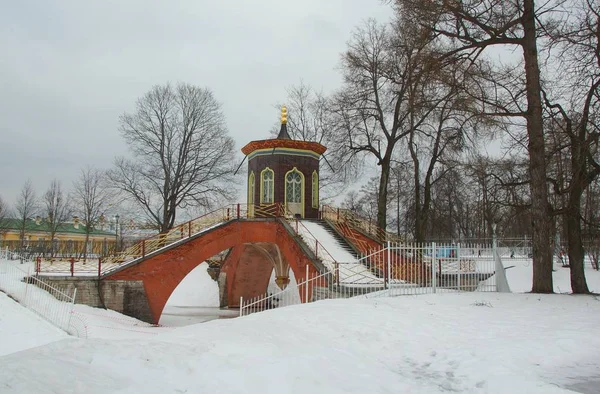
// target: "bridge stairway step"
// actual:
[[340, 240], [346, 246]]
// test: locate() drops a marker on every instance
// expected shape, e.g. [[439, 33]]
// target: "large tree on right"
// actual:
[[469, 28]]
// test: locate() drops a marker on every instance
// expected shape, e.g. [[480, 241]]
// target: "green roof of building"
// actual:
[[42, 225]]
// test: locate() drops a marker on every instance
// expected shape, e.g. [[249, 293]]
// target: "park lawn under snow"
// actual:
[[22, 329], [470, 342], [476, 342]]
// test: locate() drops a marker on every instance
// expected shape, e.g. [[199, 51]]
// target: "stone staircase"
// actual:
[[345, 244], [341, 240]]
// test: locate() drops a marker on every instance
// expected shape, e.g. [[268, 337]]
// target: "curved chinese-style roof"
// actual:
[[281, 143], [283, 140]]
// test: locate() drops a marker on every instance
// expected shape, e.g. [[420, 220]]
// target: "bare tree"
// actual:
[[473, 26], [3, 214], [310, 119], [363, 203], [435, 144], [503, 194], [574, 109], [26, 207], [183, 155], [90, 200], [56, 209], [307, 114], [402, 198], [385, 69]]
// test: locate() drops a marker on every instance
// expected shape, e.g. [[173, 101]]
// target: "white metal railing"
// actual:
[[431, 268], [50, 303], [7, 254], [402, 269], [315, 288]]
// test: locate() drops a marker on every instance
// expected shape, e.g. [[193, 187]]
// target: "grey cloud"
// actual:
[[68, 69]]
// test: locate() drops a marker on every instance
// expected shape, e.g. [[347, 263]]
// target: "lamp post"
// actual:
[[116, 232]]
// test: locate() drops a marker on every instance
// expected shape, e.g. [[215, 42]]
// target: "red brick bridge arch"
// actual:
[[256, 246]]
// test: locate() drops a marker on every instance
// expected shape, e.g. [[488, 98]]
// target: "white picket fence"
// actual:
[[399, 269], [50, 303]]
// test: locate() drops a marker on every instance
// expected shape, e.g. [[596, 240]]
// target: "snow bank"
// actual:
[[520, 276], [22, 329], [469, 342], [474, 342]]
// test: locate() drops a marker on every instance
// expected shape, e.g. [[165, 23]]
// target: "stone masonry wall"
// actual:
[[124, 296]]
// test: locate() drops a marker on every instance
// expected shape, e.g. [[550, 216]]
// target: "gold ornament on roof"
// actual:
[[283, 115]]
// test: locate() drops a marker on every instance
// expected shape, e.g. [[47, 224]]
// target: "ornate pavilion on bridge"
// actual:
[[283, 172]]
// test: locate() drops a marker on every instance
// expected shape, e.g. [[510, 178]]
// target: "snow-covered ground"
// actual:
[[519, 272], [489, 343], [469, 342], [22, 329]]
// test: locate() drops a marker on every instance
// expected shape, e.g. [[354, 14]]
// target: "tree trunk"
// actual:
[[87, 238], [420, 228], [540, 209], [575, 252], [382, 195], [423, 213], [398, 208], [573, 218], [52, 236]]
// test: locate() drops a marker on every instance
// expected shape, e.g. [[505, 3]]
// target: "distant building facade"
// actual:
[[69, 238]]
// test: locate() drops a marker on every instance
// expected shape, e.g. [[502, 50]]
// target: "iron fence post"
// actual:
[[306, 285], [389, 265], [459, 266], [494, 242], [433, 267]]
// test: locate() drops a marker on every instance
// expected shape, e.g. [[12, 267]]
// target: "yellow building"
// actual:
[[69, 239]]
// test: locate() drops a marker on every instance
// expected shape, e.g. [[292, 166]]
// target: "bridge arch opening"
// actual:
[[194, 300]]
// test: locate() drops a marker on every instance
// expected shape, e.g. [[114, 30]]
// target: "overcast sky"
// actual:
[[68, 69]]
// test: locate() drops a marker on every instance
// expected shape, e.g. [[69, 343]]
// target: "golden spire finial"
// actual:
[[283, 115]]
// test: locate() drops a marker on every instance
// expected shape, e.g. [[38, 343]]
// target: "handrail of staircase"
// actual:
[[363, 246], [189, 228], [319, 247], [324, 254], [342, 215], [351, 270]]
